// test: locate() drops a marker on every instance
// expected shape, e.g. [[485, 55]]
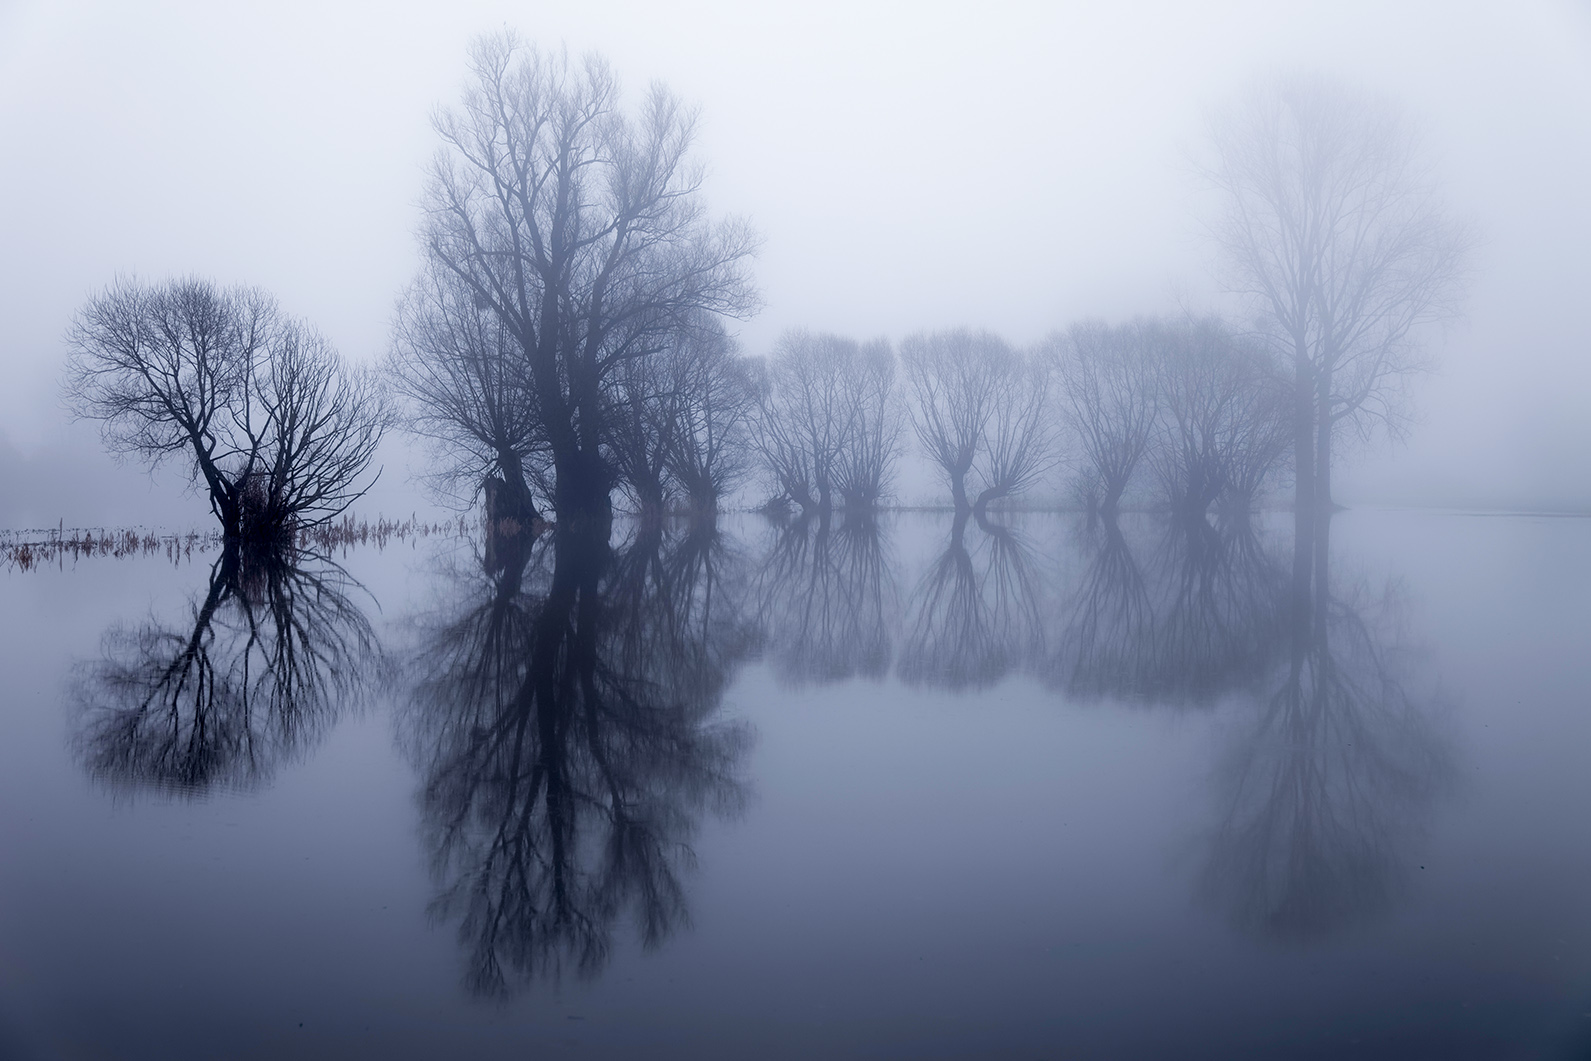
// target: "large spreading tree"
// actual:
[[578, 226]]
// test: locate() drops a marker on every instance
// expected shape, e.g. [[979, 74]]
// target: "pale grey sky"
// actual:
[[1008, 166]]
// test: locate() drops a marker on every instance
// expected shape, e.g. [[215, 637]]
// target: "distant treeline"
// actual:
[[566, 344], [1189, 406]]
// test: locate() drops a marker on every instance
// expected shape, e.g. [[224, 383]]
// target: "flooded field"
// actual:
[[917, 787]]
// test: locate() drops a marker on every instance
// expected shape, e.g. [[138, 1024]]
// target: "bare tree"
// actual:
[[280, 431], [872, 428], [1332, 226], [717, 397], [580, 228], [469, 393], [951, 385], [793, 424], [1108, 383], [681, 422], [1223, 421], [564, 716], [826, 423], [641, 420], [271, 656], [1018, 444], [315, 431], [978, 408]]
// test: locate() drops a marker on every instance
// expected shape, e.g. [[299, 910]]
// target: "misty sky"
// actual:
[[1014, 167]]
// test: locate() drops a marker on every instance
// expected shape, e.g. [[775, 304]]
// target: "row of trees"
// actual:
[[567, 238], [566, 338], [1200, 406], [565, 342], [280, 432]]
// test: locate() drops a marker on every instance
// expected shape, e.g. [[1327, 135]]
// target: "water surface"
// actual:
[[915, 788]]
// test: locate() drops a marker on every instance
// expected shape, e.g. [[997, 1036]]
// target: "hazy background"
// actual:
[[910, 166]]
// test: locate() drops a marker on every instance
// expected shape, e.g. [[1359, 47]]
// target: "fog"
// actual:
[[908, 168]]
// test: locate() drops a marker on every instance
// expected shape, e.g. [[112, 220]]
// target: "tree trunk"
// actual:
[[1322, 594], [993, 493], [1323, 433], [1113, 491], [958, 489], [704, 499], [229, 512], [958, 528], [583, 502], [1303, 478], [517, 503]]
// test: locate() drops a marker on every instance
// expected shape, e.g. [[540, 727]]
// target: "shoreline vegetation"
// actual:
[[32, 548], [565, 353], [25, 550]]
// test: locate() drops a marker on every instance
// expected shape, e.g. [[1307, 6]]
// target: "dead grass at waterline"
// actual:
[[32, 549], [27, 550]]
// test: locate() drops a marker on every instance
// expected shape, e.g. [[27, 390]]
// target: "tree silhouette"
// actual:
[[827, 425], [976, 616], [1108, 380], [468, 393], [278, 429], [826, 601], [1223, 425], [562, 716], [1322, 799], [579, 227], [1332, 227], [979, 409], [275, 652]]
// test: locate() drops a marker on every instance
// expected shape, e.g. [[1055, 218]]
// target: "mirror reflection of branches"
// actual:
[[980, 411], [563, 713], [274, 653], [826, 600], [1326, 791], [977, 615], [1170, 611]]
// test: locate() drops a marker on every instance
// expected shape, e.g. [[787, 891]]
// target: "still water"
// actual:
[[913, 789]]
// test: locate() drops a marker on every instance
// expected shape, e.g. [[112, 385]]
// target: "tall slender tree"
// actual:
[[1331, 224]]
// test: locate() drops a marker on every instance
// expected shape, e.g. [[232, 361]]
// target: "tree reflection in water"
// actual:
[[1202, 619], [976, 616], [275, 651], [563, 716], [1325, 792], [827, 601]]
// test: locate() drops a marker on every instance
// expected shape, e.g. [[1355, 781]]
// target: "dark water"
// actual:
[[907, 790]]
